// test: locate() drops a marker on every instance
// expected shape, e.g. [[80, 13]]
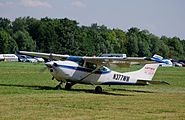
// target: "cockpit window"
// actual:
[[104, 69], [91, 65], [81, 62]]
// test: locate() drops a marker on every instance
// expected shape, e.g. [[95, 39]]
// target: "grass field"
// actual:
[[26, 93]]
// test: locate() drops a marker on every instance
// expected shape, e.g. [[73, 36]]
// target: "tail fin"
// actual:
[[145, 73]]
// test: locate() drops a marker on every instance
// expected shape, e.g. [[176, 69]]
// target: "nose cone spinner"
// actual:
[[49, 64]]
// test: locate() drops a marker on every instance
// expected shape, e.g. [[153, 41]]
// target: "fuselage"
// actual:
[[73, 72]]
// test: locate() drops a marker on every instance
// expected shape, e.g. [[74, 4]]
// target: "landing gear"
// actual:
[[98, 90], [58, 87], [69, 85]]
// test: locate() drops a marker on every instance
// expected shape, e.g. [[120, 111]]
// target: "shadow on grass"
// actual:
[[93, 92], [37, 87], [140, 91], [29, 86]]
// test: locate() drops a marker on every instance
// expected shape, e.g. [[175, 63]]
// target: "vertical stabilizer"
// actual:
[[145, 73]]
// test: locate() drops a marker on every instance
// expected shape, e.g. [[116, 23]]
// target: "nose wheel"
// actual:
[[69, 85], [98, 89], [58, 87]]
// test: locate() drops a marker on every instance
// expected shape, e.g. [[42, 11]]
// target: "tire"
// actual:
[[58, 87], [98, 90], [68, 86]]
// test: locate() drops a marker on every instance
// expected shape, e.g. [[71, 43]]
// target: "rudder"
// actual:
[[145, 73]]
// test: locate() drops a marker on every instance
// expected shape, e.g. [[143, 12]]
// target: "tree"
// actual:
[[154, 44], [7, 43], [132, 46], [122, 40], [5, 24], [65, 36], [24, 41]]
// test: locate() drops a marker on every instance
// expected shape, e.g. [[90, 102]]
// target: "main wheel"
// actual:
[[58, 87], [98, 89], [68, 86]]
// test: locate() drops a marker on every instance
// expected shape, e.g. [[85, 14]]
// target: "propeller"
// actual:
[[43, 69], [48, 65], [51, 65]]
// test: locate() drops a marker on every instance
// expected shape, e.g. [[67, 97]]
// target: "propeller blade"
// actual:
[[43, 69]]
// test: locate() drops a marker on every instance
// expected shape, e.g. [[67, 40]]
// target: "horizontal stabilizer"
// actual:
[[146, 82]]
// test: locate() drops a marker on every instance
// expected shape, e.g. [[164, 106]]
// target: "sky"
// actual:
[[160, 17]]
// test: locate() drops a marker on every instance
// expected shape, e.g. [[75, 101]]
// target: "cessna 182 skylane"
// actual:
[[92, 70]]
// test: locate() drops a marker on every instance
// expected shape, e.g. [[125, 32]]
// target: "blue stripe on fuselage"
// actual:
[[83, 69], [117, 83]]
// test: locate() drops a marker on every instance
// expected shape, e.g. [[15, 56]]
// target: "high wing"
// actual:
[[49, 56], [115, 60], [96, 60]]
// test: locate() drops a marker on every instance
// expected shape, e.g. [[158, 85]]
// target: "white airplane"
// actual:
[[161, 61], [91, 70]]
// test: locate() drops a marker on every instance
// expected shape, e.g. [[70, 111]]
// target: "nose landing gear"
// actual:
[[67, 86], [58, 87], [98, 89]]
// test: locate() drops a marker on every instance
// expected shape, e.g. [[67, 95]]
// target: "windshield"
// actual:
[[104, 69]]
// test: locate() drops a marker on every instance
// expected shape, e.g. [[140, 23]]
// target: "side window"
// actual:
[[91, 66], [81, 62]]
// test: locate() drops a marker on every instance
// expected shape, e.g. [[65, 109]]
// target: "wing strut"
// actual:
[[91, 72]]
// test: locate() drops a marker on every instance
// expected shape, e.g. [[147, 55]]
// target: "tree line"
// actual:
[[65, 36]]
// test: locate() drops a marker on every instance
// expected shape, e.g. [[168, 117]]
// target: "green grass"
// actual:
[[26, 93]]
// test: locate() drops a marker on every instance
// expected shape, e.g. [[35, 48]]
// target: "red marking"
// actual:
[[149, 70]]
